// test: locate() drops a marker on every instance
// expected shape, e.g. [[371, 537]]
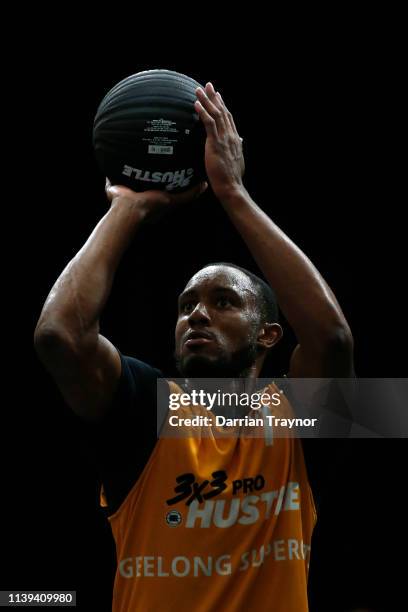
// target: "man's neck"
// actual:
[[224, 396]]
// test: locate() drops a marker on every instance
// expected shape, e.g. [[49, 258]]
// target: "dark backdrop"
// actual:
[[319, 134]]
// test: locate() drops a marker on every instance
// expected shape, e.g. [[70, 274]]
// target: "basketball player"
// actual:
[[201, 523]]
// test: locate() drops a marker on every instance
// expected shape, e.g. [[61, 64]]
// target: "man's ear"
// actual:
[[269, 335]]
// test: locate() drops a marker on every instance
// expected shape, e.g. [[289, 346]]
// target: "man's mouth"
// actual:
[[197, 338]]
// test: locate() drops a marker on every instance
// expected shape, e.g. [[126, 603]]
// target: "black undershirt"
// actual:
[[120, 445]]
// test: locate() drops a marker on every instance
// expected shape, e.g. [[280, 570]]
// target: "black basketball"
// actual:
[[147, 134]]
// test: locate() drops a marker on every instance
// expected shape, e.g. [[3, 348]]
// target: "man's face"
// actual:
[[217, 324]]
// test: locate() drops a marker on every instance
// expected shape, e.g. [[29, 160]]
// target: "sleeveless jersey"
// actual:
[[216, 523]]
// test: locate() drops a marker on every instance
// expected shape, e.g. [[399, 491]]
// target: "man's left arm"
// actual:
[[325, 342]]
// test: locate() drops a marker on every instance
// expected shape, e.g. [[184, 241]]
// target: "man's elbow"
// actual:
[[340, 338], [51, 340], [338, 350]]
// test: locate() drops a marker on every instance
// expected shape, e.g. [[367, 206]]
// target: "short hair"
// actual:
[[268, 303]]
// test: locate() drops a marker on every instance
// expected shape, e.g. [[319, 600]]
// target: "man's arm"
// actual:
[[84, 364], [325, 346], [325, 340]]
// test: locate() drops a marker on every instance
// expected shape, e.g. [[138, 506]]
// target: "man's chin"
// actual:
[[222, 365], [200, 366]]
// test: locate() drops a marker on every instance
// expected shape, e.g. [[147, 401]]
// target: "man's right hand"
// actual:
[[152, 203]]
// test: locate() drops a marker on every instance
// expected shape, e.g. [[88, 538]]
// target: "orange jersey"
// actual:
[[216, 524]]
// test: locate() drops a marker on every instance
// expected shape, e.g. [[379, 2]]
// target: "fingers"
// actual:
[[114, 191], [217, 108], [233, 129], [118, 191], [109, 190], [209, 123], [221, 104], [212, 109], [230, 118], [216, 117]]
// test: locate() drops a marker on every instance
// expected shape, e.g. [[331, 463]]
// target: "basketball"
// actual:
[[147, 134]]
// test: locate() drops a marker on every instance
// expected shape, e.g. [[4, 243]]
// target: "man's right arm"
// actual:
[[84, 364]]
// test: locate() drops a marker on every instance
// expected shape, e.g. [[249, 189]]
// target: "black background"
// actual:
[[320, 122]]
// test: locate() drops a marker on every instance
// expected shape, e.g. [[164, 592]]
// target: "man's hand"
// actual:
[[153, 203], [224, 159]]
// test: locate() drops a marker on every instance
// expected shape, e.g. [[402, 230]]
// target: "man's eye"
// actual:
[[187, 307], [223, 302]]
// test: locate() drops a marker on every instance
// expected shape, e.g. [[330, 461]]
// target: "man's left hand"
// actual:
[[224, 159]]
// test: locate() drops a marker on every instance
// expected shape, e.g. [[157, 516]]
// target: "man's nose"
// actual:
[[199, 315]]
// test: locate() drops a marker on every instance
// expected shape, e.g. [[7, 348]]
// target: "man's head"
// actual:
[[227, 323]]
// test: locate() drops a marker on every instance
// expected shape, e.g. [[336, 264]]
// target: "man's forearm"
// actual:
[[303, 295], [76, 301]]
